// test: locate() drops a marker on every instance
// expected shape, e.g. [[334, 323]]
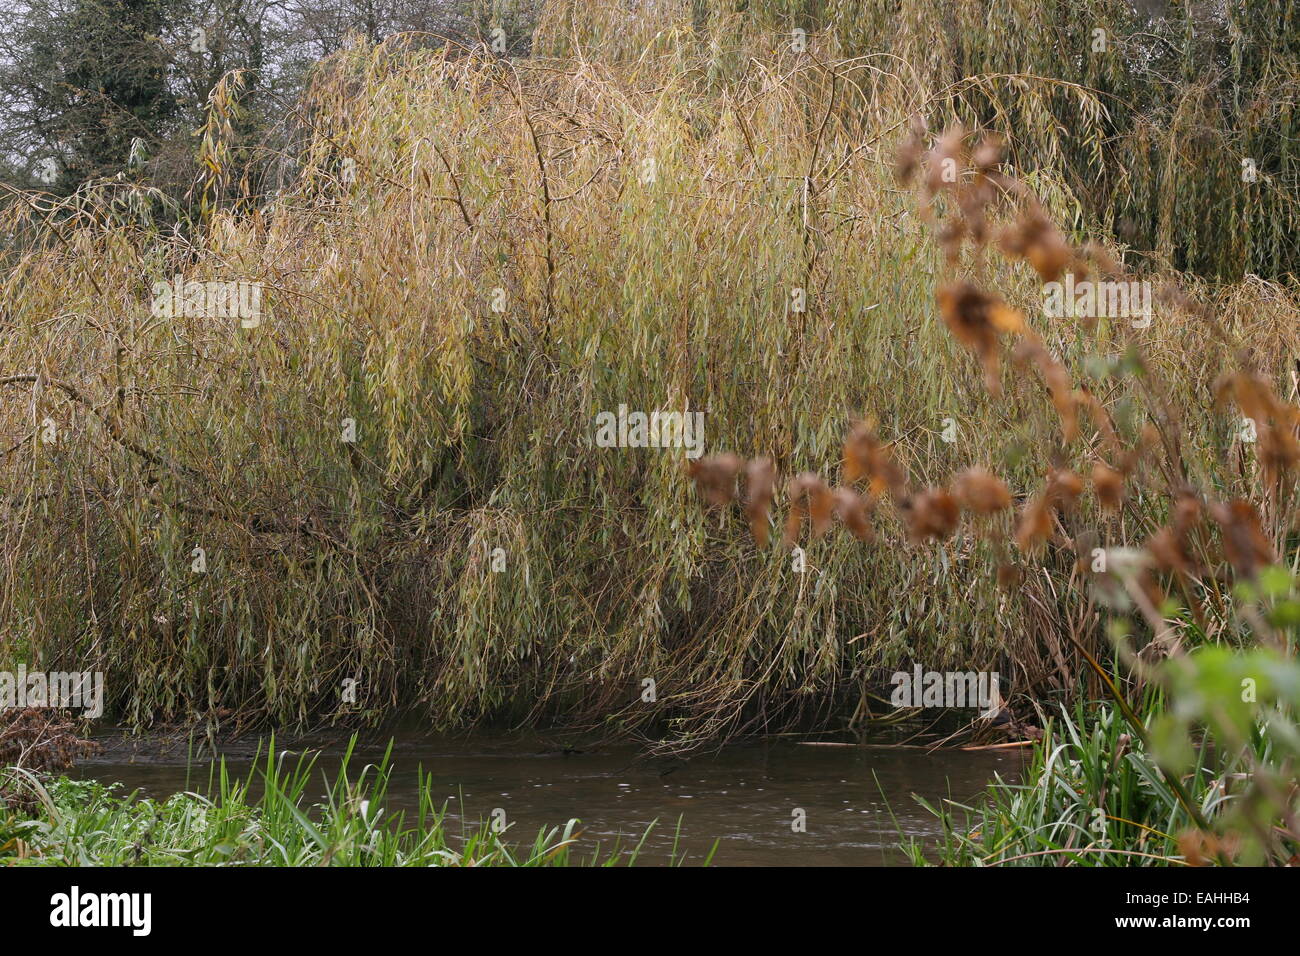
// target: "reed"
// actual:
[[1094, 794], [1089, 797]]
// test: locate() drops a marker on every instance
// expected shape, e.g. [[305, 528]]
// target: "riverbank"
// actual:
[[269, 818]]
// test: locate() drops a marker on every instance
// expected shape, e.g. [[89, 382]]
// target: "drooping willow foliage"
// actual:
[[1174, 125], [469, 259]]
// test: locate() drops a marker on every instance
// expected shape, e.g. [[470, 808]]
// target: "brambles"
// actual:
[[38, 740]]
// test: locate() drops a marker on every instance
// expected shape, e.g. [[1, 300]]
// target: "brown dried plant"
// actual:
[[809, 499]]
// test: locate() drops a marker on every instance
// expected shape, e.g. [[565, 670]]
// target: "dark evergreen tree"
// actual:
[[84, 80]]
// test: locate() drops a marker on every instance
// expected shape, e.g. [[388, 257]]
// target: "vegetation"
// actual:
[[1149, 112], [385, 476], [1227, 664], [1093, 795], [114, 89], [264, 820], [642, 222]]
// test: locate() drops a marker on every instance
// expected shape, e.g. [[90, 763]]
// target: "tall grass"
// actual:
[[646, 219], [1091, 796], [1094, 794]]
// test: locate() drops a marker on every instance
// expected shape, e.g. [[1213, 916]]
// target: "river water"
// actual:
[[856, 801]]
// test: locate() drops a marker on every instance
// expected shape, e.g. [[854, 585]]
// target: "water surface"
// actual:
[[856, 800]]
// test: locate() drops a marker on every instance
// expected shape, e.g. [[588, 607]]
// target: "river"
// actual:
[[855, 800]]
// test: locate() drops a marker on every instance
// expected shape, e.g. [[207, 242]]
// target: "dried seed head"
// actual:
[[1109, 486], [715, 478], [975, 320], [1035, 238], [979, 490], [1063, 488], [865, 457], [989, 154], [809, 498], [1101, 258], [1200, 848], [1275, 421], [1187, 512], [908, 158], [944, 163], [1057, 379], [931, 515], [1035, 523], [950, 237], [1245, 545], [851, 508], [1168, 551], [1170, 547], [760, 488], [1009, 576]]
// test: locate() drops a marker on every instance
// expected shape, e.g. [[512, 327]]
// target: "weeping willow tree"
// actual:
[[384, 473], [1173, 125]]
